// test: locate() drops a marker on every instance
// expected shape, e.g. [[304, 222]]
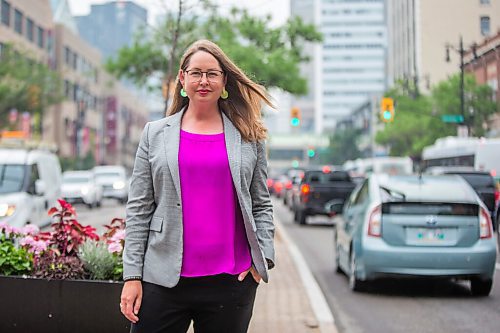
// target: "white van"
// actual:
[[30, 183]]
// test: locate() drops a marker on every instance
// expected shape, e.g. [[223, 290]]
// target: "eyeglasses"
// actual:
[[212, 75]]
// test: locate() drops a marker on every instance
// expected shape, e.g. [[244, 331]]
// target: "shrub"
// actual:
[[97, 260], [69, 251]]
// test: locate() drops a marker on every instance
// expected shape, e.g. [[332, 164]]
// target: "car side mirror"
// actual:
[[334, 207], [40, 187]]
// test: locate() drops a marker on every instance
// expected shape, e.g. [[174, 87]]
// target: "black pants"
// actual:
[[215, 304]]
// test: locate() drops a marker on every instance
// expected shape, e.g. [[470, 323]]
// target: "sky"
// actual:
[[279, 9]]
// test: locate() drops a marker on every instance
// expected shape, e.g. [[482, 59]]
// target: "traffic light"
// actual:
[[387, 110], [311, 152], [295, 116]]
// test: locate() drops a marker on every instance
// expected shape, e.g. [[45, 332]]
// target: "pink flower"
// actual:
[[30, 229], [115, 248], [27, 241], [118, 236], [39, 246]]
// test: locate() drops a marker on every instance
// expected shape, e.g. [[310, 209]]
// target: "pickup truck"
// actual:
[[317, 188]]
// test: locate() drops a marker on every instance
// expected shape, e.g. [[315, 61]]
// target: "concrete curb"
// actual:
[[316, 297]]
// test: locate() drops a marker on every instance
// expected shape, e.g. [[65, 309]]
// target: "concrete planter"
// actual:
[[40, 305]]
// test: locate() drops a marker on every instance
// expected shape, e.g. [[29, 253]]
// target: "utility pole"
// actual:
[[461, 52], [462, 93]]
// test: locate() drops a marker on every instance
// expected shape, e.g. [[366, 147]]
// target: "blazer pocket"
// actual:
[[156, 224]]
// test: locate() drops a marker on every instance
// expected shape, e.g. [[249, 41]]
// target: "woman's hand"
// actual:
[[130, 301], [252, 271]]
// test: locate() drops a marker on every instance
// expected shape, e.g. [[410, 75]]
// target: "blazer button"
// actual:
[[178, 205]]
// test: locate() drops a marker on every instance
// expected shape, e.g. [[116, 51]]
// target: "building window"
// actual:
[[67, 55], [40, 37], [485, 25], [18, 22], [6, 13], [29, 30]]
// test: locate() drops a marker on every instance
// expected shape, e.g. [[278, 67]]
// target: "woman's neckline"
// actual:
[[201, 134]]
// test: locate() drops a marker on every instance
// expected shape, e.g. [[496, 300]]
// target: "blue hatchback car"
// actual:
[[428, 226]]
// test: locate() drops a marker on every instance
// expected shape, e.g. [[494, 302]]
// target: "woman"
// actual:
[[199, 231]]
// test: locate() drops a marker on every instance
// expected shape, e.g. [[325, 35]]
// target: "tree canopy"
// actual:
[[269, 55], [418, 118], [26, 85]]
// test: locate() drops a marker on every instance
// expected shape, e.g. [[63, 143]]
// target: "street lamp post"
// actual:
[[461, 52]]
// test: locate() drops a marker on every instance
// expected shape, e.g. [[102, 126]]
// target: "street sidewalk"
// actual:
[[283, 304]]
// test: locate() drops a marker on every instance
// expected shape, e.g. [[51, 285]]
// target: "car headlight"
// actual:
[[118, 185], [84, 190], [7, 210]]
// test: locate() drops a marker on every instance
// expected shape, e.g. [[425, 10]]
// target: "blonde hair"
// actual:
[[243, 107]]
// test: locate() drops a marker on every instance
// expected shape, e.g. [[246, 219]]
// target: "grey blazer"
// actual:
[[153, 241]]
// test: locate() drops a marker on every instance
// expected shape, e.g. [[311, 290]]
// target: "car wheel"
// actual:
[[99, 204], [90, 205], [480, 287], [336, 263], [302, 216], [355, 284]]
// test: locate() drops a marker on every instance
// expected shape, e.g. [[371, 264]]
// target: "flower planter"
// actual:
[[40, 305]]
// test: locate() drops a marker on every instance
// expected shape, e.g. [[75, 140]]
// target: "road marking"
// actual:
[[316, 296]]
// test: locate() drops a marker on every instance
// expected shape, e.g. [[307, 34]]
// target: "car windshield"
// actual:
[[11, 177], [75, 180]]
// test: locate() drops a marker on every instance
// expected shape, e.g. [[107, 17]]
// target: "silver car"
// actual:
[[427, 226]]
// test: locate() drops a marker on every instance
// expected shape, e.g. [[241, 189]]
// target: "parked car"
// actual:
[[113, 180], [81, 186], [318, 187], [30, 183], [419, 226]]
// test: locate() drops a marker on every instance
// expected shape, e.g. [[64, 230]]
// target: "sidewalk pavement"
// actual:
[[283, 305]]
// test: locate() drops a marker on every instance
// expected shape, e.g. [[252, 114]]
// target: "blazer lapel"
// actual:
[[233, 147], [171, 137]]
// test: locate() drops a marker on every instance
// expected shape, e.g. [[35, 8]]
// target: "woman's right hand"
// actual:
[[130, 301]]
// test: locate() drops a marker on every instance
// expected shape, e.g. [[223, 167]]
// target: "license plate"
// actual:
[[431, 236]]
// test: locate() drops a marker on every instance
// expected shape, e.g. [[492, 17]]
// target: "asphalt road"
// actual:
[[391, 305]]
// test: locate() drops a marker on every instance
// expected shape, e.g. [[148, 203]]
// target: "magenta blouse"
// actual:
[[214, 235]]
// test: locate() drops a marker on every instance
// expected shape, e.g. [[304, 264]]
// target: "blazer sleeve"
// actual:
[[140, 208], [262, 208]]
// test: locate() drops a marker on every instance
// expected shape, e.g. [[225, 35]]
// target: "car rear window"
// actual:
[[418, 208], [476, 180], [328, 177]]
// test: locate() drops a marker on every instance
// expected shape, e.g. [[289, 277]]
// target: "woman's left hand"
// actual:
[[251, 270]]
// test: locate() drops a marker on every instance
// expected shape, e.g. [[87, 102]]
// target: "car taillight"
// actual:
[[288, 184], [484, 224], [375, 222], [269, 182], [278, 186], [305, 189]]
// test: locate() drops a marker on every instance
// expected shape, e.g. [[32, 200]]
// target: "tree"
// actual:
[[344, 146], [415, 124], [418, 123], [26, 85], [479, 105], [270, 55]]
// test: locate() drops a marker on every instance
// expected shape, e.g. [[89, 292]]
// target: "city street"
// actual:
[[391, 305], [387, 306]]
